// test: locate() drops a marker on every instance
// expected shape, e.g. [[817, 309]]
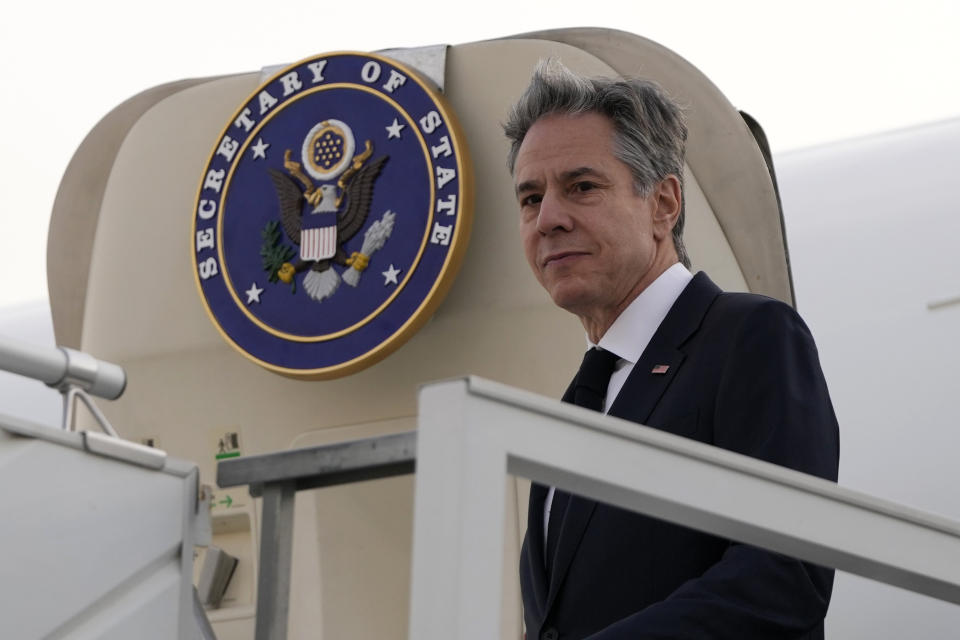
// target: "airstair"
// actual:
[[99, 532]]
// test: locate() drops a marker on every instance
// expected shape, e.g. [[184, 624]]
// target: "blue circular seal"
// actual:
[[332, 215]]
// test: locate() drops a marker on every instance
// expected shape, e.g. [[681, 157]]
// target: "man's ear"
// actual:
[[668, 198]]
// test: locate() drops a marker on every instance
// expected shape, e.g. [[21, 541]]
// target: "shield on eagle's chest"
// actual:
[[318, 236]]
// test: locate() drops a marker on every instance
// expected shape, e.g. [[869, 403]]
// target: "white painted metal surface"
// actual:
[[473, 432], [96, 545]]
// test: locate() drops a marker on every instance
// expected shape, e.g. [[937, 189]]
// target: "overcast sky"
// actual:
[[810, 73]]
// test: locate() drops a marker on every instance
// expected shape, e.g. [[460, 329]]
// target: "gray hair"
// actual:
[[650, 130]]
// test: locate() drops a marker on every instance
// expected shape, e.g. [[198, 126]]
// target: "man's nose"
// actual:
[[554, 215]]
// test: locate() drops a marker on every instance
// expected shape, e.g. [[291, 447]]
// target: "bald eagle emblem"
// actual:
[[324, 200]]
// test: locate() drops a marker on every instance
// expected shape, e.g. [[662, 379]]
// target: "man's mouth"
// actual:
[[562, 257]]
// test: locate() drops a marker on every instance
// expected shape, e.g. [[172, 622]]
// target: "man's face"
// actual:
[[592, 241]]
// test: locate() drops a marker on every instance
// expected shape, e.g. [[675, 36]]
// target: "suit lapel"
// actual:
[[663, 357], [572, 528], [535, 545], [575, 521], [644, 387], [636, 401]]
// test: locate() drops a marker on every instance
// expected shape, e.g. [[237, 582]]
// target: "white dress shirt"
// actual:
[[630, 334]]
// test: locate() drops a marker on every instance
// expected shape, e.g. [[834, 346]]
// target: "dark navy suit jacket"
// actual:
[[743, 375]]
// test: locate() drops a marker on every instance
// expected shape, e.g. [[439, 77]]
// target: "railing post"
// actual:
[[458, 520], [276, 552]]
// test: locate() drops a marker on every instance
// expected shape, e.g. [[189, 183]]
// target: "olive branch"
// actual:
[[275, 253]]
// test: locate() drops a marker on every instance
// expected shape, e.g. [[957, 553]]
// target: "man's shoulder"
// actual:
[[702, 287], [706, 309], [740, 303], [756, 317], [734, 312]]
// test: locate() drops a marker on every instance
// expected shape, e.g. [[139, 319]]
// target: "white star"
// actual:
[[253, 294], [390, 275], [260, 149], [393, 131]]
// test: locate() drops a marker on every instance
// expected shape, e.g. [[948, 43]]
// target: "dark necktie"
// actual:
[[590, 391]]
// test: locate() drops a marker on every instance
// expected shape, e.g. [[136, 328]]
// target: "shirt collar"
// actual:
[[630, 333]]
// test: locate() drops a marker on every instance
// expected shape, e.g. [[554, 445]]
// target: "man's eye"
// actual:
[[584, 186], [531, 199]]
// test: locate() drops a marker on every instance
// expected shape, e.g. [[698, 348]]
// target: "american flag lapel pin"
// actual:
[[660, 369]]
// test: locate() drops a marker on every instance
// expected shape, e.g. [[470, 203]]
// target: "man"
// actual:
[[598, 168]]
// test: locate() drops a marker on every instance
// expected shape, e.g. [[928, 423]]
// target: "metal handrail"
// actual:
[[277, 477], [473, 432], [77, 375]]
